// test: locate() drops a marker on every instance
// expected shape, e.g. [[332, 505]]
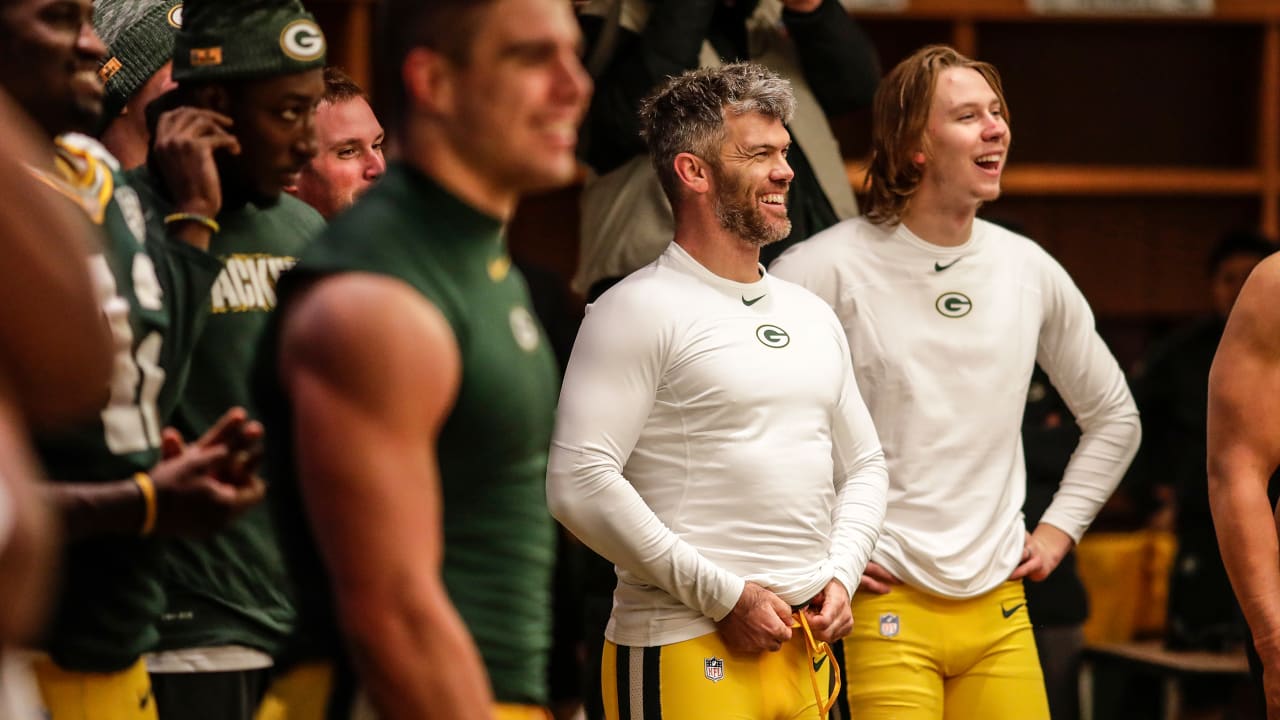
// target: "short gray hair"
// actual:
[[687, 113]]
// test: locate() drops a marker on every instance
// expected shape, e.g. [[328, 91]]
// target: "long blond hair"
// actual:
[[900, 113]]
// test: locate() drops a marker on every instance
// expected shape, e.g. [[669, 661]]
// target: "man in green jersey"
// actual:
[[112, 488], [260, 65], [50, 325], [410, 389]]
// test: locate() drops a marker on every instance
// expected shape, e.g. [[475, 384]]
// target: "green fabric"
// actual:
[[231, 588], [498, 535], [232, 39], [139, 37], [111, 596]]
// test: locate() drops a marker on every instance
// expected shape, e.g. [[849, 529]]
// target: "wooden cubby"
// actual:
[[1138, 140]]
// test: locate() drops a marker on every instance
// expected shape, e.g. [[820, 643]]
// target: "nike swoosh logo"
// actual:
[[1009, 613], [939, 268], [817, 664], [749, 303]]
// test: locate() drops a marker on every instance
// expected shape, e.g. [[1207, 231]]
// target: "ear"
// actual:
[[213, 96], [428, 80], [694, 174], [918, 158]]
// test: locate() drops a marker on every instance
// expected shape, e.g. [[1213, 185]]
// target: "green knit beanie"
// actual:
[[139, 37], [230, 39]]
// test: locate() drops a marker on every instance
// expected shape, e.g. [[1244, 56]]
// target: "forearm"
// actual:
[[606, 513], [859, 519], [1247, 539], [94, 509], [668, 45], [837, 57], [27, 551], [415, 658], [1095, 471]]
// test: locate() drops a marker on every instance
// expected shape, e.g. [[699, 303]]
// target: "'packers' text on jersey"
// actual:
[[247, 283]]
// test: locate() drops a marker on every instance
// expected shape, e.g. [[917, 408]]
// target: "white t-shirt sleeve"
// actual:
[[608, 392], [1086, 374], [862, 481]]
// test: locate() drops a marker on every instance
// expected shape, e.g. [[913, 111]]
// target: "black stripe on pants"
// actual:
[[647, 687]]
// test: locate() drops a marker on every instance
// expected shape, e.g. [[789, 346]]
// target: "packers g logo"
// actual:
[[175, 16], [302, 40], [772, 336], [953, 304]]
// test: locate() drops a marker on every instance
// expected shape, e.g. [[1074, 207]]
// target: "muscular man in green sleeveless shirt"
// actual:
[[409, 389]]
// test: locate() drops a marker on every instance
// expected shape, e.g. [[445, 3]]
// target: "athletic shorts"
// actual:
[[915, 656]]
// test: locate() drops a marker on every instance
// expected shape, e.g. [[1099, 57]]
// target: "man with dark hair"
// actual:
[[947, 316], [734, 509], [410, 391], [139, 36], [257, 68], [350, 140], [112, 486]]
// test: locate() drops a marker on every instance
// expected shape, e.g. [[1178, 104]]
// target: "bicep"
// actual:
[[369, 392], [1244, 420]]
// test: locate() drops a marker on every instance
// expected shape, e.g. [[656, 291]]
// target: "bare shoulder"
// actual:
[[1255, 318], [367, 331]]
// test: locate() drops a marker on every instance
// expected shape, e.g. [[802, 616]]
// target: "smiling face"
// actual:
[[752, 178], [518, 99], [53, 53], [965, 143], [350, 158]]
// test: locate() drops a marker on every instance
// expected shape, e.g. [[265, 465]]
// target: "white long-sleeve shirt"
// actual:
[[710, 433], [944, 341]]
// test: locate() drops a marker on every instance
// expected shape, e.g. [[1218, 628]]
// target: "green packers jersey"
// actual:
[[498, 536], [153, 296], [231, 588]]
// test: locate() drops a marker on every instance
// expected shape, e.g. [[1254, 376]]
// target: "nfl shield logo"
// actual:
[[713, 668], [888, 625]]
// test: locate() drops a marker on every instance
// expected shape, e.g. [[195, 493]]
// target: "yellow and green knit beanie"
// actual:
[[139, 38], [233, 39]]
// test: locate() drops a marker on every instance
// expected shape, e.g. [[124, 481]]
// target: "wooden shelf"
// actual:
[[951, 10], [1046, 180]]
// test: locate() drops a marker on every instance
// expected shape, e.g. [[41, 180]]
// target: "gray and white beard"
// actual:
[[743, 218]]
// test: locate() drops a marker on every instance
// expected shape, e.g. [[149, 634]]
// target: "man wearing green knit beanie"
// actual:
[[258, 65], [139, 36]]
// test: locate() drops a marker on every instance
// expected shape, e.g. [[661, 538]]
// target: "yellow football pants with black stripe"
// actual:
[[915, 656], [701, 679]]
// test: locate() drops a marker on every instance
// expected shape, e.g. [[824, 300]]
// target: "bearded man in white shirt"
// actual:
[[710, 439]]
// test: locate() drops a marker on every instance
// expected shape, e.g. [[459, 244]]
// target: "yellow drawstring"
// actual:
[[819, 650]]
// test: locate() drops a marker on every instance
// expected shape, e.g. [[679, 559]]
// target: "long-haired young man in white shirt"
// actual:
[[710, 439], [946, 316]]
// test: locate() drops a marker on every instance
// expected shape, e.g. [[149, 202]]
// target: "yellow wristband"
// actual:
[[148, 490], [204, 220]]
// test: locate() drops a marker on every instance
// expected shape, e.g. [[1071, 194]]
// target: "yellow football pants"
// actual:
[[915, 656], [68, 695]]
